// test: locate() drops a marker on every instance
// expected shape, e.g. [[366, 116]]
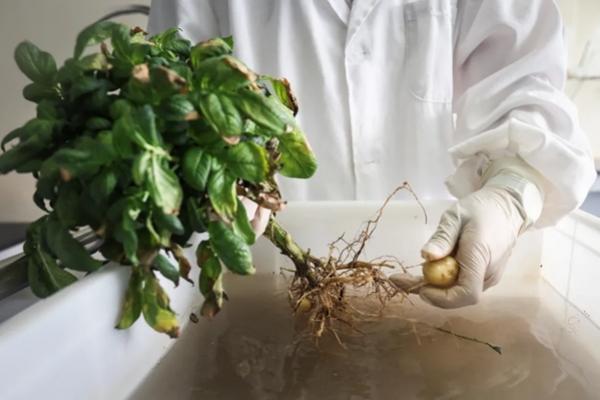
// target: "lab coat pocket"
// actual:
[[428, 53]]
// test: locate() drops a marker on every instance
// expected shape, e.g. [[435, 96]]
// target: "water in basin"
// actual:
[[251, 351]]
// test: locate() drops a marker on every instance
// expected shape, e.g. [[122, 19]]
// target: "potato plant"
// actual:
[[147, 141]]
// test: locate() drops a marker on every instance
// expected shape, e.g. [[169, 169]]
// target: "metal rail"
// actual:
[[13, 270]]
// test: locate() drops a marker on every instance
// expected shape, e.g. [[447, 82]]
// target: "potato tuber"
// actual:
[[441, 273]]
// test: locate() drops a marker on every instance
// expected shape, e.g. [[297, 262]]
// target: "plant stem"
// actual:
[[289, 248]]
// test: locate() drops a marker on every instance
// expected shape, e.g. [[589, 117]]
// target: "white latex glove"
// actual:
[[480, 231], [258, 216]]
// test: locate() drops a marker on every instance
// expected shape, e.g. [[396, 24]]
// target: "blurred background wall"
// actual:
[[53, 25], [582, 28]]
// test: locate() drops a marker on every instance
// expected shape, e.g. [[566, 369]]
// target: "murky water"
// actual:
[[251, 351]]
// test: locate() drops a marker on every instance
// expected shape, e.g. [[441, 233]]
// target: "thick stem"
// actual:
[[289, 248]]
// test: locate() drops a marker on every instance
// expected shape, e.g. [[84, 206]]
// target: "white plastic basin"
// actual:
[[65, 347]]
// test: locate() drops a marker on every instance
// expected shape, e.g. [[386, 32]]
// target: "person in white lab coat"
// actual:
[[419, 90]]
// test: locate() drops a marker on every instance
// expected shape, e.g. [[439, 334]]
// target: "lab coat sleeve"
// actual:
[[196, 19], [509, 73]]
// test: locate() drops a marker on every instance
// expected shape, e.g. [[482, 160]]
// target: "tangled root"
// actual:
[[321, 288]]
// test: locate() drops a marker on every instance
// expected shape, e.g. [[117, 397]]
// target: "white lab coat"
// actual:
[[393, 90]]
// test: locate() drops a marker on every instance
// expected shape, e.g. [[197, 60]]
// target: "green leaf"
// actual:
[[120, 108], [56, 277], [196, 166], [164, 186], [171, 41], [67, 204], [140, 125], [195, 215], [38, 284], [71, 253], [132, 304], [266, 112], [37, 92], [155, 308], [168, 222], [12, 135], [297, 159], [241, 225], [44, 274], [26, 150], [103, 185], [124, 214], [92, 35], [85, 157], [248, 161], [228, 40], [121, 41], [85, 85], [176, 108], [230, 248], [139, 169], [166, 268], [98, 124], [98, 101], [221, 113], [222, 193], [29, 166], [37, 65], [48, 110]]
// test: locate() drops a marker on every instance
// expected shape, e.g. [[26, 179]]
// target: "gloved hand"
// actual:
[[480, 231], [258, 216]]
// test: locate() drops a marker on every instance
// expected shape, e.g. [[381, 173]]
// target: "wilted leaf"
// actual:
[[96, 61], [208, 49], [266, 112], [281, 88], [184, 264], [222, 75], [132, 305], [297, 159], [155, 308]]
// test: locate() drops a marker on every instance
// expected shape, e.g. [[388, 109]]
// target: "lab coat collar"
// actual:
[[358, 15], [341, 9]]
